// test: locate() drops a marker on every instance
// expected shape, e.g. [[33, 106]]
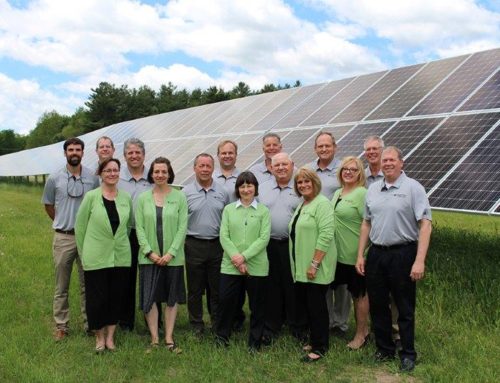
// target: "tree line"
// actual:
[[109, 104]]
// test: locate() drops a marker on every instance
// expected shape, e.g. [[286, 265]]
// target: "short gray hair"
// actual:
[[271, 135], [395, 149], [374, 138], [206, 155], [133, 141], [283, 154]]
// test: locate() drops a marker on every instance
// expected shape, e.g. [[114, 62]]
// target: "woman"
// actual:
[[161, 224], [244, 235], [101, 229], [348, 207], [313, 258]]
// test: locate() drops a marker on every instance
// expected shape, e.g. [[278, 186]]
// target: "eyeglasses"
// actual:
[[74, 187], [109, 171], [350, 170]]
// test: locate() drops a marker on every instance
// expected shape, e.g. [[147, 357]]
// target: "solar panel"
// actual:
[[407, 134], [376, 94], [475, 183], [459, 85], [296, 116], [487, 97], [290, 104], [329, 110], [414, 90], [442, 149]]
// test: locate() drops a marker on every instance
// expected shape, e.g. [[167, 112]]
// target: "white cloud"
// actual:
[[23, 102]]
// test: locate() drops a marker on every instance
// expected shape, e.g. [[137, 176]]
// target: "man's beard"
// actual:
[[74, 160]]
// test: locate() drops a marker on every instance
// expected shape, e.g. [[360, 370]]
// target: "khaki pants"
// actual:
[[65, 254]]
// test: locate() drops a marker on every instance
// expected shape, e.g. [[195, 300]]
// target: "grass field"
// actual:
[[457, 335]]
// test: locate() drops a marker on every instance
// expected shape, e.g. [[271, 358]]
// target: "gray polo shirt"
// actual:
[[328, 177], [370, 179], [59, 190], [205, 209], [227, 182], [133, 187], [261, 172], [394, 212], [282, 203]]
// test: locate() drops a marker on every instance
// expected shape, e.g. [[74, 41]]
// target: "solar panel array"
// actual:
[[444, 115]]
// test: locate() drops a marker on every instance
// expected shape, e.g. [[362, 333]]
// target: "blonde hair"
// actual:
[[361, 174], [309, 174]]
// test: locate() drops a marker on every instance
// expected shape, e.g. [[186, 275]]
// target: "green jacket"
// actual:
[[97, 246], [174, 219], [245, 231], [348, 216], [314, 230]]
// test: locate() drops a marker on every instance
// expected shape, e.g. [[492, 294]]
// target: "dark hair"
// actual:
[[73, 141], [103, 164], [161, 160], [246, 178]]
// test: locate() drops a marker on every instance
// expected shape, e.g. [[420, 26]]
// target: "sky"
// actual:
[[53, 52]]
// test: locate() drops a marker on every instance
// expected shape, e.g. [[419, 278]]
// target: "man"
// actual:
[[206, 200], [397, 220], [133, 180], [374, 145], [226, 175], [326, 167], [271, 145], [62, 195], [278, 195], [227, 172], [104, 148]]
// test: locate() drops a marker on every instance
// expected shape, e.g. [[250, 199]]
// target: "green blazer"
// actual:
[[245, 231], [97, 246], [174, 219], [314, 230]]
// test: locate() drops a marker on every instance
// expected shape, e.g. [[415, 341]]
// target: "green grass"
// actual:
[[457, 335]]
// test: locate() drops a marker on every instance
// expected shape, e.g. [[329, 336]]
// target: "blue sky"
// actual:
[[52, 52]]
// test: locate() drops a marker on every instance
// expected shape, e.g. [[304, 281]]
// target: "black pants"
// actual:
[[127, 319], [388, 273], [105, 295], [203, 259], [229, 298], [312, 314], [280, 295]]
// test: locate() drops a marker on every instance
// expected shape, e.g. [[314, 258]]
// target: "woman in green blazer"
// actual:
[[244, 234], [161, 224], [101, 229], [313, 257]]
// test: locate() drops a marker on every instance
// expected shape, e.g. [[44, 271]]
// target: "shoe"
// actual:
[[307, 358], [407, 365], [380, 356], [338, 332], [172, 347], [198, 332], [59, 335], [363, 344]]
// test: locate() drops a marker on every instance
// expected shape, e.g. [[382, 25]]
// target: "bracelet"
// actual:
[[315, 265]]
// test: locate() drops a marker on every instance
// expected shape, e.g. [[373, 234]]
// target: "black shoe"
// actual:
[[407, 365], [381, 356], [198, 332]]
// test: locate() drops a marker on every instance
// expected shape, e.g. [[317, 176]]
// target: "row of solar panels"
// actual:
[[444, 115]]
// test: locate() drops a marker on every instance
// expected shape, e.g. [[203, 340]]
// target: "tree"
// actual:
[[240, 90], [47, 130], [11, 142], [108, 105]]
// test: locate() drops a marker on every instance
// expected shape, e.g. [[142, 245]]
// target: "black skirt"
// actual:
[[161, 284]]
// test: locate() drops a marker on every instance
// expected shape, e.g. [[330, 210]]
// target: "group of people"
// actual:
[[300, 243]]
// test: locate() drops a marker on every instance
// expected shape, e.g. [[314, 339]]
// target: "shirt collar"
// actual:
[[253, 204], [396, 184], [334, 164], [218, 173], [125, 174], [200, 188]]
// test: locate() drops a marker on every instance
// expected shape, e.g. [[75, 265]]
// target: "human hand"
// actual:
[[237, 260], [243, 269], [311, 273], [360, 266], [417, 271]]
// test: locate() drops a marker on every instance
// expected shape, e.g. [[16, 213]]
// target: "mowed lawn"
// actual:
[[457, 334]]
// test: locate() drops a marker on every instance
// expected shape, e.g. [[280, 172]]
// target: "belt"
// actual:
[[216, 239], [67, 232], [394, 247]]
